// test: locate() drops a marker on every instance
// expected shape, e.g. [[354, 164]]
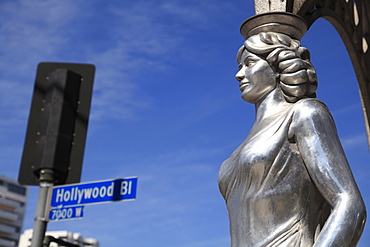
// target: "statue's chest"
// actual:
[[263, 145], [249, 165]]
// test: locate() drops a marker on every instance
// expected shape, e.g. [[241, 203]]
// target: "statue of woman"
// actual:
[[289, 182]]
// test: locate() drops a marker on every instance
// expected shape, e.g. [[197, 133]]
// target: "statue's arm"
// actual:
[[314, 132]]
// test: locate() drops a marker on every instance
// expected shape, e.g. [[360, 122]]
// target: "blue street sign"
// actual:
[[94, 192], [68, 213]]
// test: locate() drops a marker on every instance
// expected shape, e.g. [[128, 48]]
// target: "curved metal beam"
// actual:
[[351, 19]]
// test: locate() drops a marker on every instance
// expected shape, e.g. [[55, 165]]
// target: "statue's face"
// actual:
[[256, 77]]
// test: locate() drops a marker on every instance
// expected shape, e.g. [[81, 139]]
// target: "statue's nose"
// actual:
[[240, 75]]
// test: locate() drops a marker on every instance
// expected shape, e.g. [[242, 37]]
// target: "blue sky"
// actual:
[[165, 107]]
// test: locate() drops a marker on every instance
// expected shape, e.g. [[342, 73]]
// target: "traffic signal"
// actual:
[[57, 123]]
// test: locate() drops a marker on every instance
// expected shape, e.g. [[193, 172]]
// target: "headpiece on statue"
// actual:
[[281, 22]]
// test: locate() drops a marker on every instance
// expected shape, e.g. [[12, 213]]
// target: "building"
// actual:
[[13, 199], [74, 238]]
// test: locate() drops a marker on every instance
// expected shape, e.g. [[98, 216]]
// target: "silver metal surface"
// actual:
[[289, 182], [351, 19]]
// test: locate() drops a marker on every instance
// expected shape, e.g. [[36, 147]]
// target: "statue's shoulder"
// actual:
[[310, 106], [310, 113], [311, 110]]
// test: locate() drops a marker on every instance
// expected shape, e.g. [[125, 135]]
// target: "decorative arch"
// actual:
[[351, 19]]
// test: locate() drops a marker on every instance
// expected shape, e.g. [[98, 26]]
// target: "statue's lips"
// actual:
[[243, 85]]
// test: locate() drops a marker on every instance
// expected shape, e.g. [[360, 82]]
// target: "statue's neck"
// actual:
[[273, 103]]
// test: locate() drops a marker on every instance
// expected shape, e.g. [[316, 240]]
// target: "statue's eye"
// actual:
[[249, 62]]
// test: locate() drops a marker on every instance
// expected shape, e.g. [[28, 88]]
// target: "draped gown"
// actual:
[[270, 196]]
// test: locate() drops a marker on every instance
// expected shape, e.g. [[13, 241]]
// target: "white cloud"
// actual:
[[32, 30], [134, 40], [354, 141]]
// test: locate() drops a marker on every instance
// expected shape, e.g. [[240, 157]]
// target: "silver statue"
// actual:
[[289, 182]]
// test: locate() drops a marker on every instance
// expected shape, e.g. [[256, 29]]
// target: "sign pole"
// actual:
[[46, 179]]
